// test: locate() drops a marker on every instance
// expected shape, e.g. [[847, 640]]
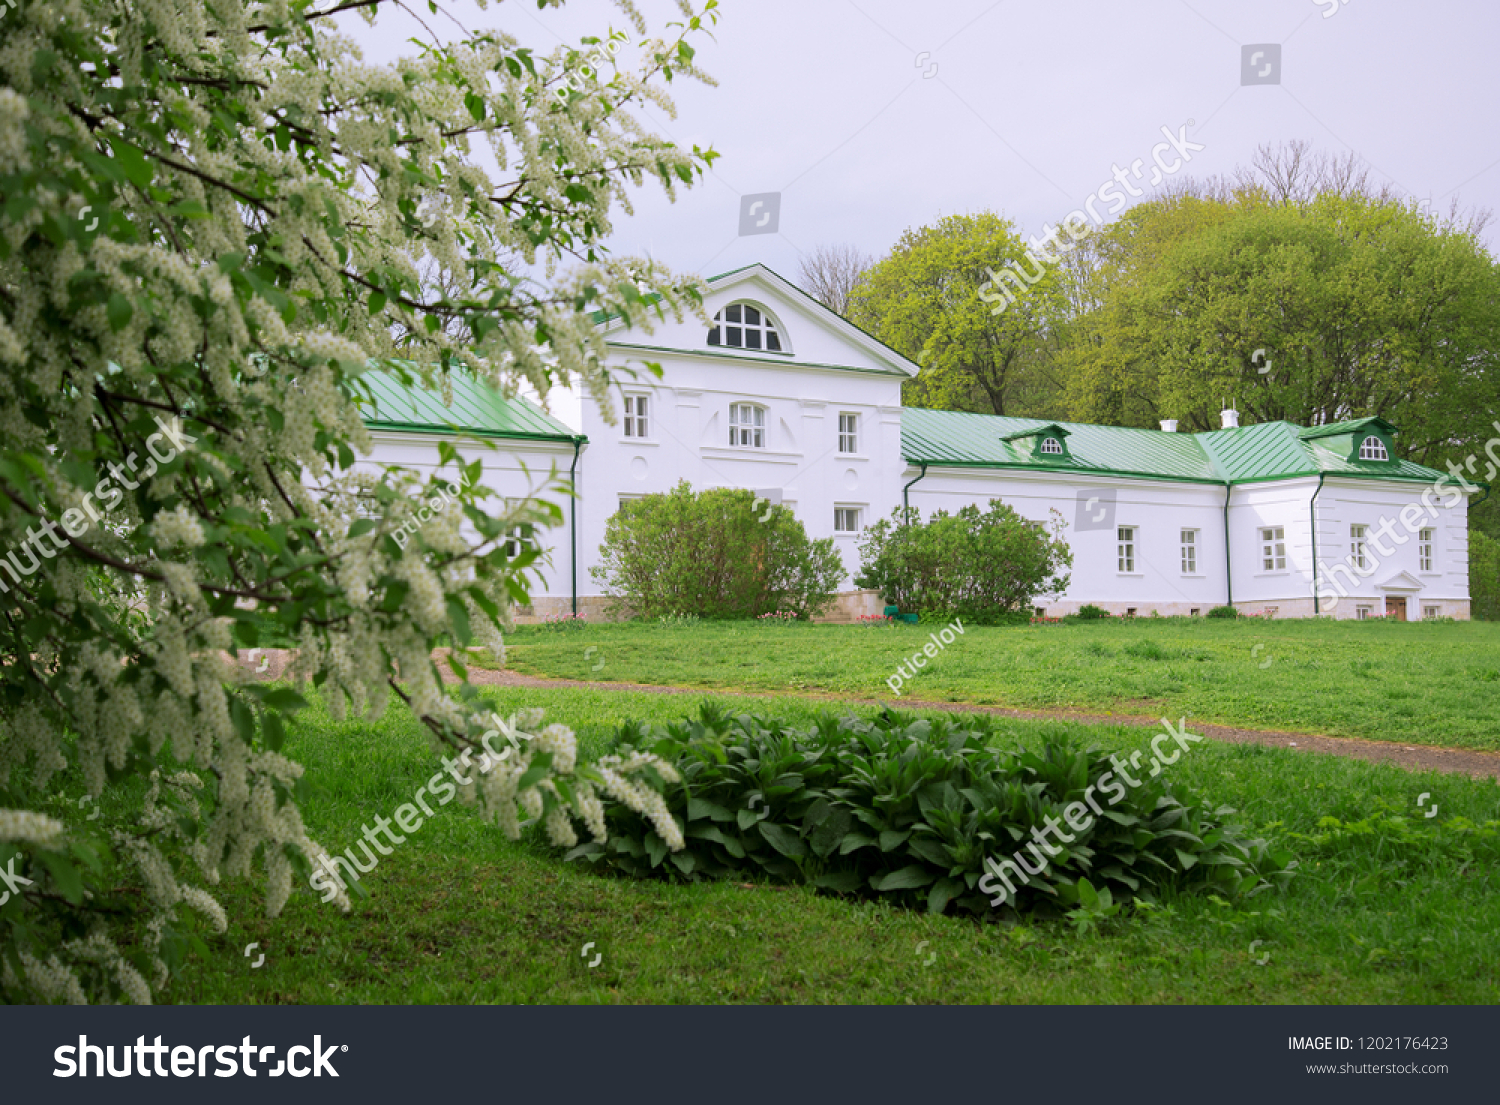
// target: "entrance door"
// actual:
[[1395, 608]]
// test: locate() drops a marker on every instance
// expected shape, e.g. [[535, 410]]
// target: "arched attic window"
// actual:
[[1372, 448], [743, 326], [1051, 445]]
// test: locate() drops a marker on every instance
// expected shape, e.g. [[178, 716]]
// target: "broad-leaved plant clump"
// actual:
[[912, 809]]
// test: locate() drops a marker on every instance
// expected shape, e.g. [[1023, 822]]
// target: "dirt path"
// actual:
[[1479, 765]]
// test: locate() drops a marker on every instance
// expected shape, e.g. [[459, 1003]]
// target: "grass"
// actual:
[[1434, 683], [460, 915]]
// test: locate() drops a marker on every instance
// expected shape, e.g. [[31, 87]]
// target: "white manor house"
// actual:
[[785, 398]]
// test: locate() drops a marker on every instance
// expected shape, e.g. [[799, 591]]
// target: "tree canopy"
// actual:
[[213, 219]]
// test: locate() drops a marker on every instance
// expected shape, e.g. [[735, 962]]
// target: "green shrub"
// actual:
[[1089, 612], [910, 810], [1484, 576], [984, 568], [714, 554], [1224, 612]]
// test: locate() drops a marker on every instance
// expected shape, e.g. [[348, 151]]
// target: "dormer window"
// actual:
[[741, 326], [1372, 448], [1052, 445]]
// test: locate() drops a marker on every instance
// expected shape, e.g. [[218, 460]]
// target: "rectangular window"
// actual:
[[636, 424], [747, 426], [1432, 611], [1424, 549], [1362, 612], [518, 540], [846, 519], [848, 433], [1271, 611], [1189, 552], [1273, 549], [1357, 546], [1127, 548]]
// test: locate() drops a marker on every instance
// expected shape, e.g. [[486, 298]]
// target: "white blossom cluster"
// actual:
[[572, 790], [236, 279]]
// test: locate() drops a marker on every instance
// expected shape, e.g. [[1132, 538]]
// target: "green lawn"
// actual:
[[460, 915], [1434, 683]]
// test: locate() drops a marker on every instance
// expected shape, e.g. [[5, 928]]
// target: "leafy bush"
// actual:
[[978, 567], [1484, 576], [715, 554], [911, 809], [1090, 612], [1224, 612]]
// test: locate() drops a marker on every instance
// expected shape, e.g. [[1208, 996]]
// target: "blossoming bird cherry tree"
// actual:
[[214, 217]]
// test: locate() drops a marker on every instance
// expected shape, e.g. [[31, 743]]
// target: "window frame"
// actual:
[[1427, 549], [1057, 449], [1125, 549], [1273, 549], [756, 428], [638, 416], [851, 434], [1359, 539], [768, 328], [1378, 453], [1188, 545], [846, 508]]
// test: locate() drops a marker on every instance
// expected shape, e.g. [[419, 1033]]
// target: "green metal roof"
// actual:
[[477, 409], [1245, 454]]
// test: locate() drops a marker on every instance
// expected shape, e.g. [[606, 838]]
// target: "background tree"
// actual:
[[1361, 307], [213, 218], [934, 300], [830, 273]]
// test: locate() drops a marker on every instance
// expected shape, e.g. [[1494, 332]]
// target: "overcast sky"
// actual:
[[872, 116]]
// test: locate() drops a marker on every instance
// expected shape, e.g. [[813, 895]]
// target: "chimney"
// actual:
[[1231, 419], [1169, 425]]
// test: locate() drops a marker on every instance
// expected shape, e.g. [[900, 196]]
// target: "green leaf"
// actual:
[[890, 839], [784, 840], [911, 877], [118, 312], [459, 616], [66, 874], [943, 891], [274, 730], [541, 767], [845, 882]]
